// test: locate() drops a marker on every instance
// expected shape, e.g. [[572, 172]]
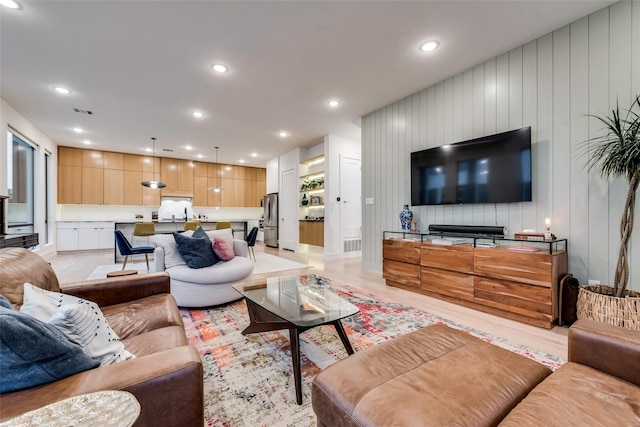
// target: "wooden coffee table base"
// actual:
[[261, 320]]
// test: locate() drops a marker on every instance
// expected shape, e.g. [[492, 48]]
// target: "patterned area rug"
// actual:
[[248, 380]]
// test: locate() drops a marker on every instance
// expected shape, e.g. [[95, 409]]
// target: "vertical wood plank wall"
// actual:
[[550, 84]]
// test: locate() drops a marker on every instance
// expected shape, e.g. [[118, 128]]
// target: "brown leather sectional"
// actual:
[[165, 377], [438, 376]]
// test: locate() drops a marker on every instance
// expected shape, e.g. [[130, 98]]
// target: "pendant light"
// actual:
[[153, 183], [217, 188]]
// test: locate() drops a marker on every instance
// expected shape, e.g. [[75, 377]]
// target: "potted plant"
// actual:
[[616, 153]]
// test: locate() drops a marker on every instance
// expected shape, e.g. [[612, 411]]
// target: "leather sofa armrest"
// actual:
[[119, 290], [610, 349], [240, 248], [168, 385]]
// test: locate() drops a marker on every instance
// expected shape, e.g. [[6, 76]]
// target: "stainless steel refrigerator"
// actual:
[[271, 220]]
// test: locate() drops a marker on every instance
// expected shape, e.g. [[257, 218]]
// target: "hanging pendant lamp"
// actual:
[[217, 188], [153, 184]]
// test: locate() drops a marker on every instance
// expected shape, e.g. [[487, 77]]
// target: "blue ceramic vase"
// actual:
[[405, 218]]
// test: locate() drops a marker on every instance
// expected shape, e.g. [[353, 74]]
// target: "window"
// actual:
[[20, 184], [48, 202]]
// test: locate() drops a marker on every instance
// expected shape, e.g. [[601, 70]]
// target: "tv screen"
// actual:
[[490, 169]]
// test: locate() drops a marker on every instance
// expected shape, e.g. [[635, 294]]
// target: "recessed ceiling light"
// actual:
[[198, 114], [87, 142], [334, 103], [148, 150], [188, 147], [62, 90], [219, 68], [254, 154], [199, 156], [429, 46], [78, 130], [283, 134], [241, 160], [11, 4]]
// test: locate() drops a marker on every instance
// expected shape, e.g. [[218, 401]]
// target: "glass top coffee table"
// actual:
[[297, 304]]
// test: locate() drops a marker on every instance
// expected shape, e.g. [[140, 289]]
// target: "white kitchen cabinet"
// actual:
[[67, 236], [89, 235], [84, 235], [106, 238]]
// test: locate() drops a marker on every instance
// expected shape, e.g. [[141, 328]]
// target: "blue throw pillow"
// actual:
[[33, 352], [4, 302], [196, 252]]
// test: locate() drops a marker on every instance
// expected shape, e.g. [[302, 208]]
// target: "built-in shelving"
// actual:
[[311, 201]]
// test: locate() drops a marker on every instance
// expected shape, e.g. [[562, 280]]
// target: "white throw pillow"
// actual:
[[172, 257], [81, 321]]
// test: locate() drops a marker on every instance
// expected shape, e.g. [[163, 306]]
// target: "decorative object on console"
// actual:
[[405, 218], [153, 183]]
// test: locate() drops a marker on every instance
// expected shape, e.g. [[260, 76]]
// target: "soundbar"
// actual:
[[488, 230]]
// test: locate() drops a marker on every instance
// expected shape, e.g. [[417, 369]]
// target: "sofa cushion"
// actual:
[[222, 272], [156, 341], [172, 257], [438, 375], [21, 265], [80, 320], [33, 352], [578, 395], [223, 249], [146, 314], [197, 252]]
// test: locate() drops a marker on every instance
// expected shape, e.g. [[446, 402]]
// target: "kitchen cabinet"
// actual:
[[108, 178], [84, 235], [67, 236]]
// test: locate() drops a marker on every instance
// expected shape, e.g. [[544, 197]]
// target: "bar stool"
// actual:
[[221, 225], [143, 229], [191, 225]]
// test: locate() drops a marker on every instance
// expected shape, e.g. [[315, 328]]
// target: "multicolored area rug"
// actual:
[[248, 380]]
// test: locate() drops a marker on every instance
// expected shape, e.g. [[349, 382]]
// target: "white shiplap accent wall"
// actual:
[[550, 84]]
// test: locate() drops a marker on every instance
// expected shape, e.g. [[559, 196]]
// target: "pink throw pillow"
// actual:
[[223, 249]]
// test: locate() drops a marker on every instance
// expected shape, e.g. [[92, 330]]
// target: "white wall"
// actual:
[[549, 84], [10, 118], [335, 147], [273, 176]]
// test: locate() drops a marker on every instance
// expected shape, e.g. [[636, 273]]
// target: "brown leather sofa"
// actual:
[[165, 377], [439, 376]]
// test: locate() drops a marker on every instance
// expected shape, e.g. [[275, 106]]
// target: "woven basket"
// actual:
[[598, 303]]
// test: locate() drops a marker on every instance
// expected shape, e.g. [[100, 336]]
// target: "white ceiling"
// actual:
[[141, 67]]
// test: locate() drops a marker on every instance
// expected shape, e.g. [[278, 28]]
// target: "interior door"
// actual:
[[351, 199], [288, 227]]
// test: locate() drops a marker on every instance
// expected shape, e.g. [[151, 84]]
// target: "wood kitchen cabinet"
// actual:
[[102, 177]]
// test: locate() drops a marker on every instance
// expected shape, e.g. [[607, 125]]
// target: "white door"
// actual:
[[351, 200], [288, 206]]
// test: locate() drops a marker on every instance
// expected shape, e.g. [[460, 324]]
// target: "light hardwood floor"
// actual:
[[74, 266]]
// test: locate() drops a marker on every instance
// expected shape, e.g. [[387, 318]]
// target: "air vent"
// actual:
[[77, 110], [168, 149], [354, 245]]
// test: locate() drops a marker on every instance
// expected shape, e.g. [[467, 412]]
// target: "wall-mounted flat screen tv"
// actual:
[[490, 169]]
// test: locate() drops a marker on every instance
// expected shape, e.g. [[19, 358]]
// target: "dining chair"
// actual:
[[191, 225], [251, 241], [127, 250], [142, 229]]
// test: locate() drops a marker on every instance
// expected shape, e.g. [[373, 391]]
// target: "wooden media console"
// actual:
[[515, 284]]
